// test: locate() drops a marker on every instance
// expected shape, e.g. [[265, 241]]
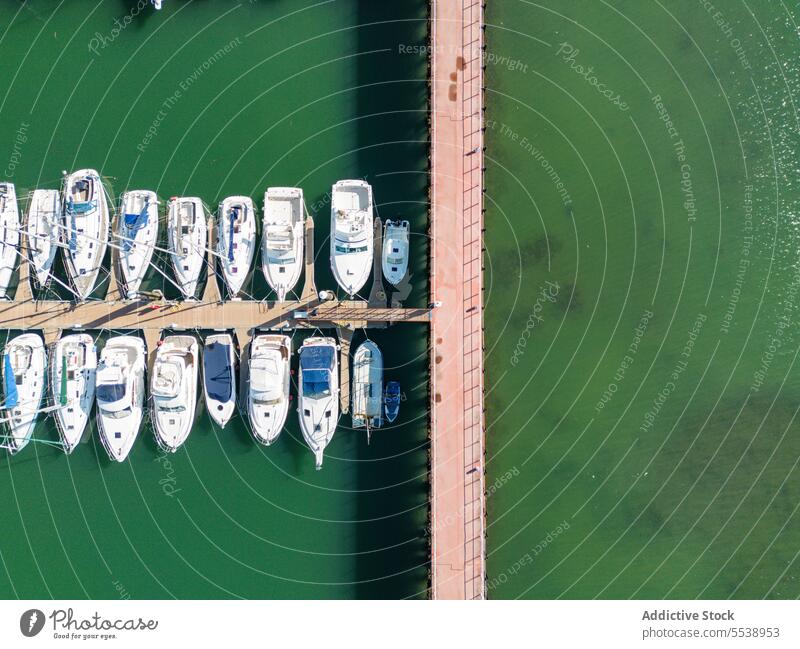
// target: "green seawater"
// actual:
[[643, 291], [213, 99]]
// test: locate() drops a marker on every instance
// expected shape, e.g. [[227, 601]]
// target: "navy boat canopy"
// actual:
[[217, 371], [316, 357]]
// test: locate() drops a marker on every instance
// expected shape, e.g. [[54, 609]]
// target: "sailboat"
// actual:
[[85, 216], [219, 377], [236, 240], [44, 217], [9, 235], [137, 229], [120, 394], [72, 383], [391, 401], [173, 387], [268, 396], [318, 403], [351, 234], [187, 231], [283, 234], [24, 362], [367, 390], [394, 259]]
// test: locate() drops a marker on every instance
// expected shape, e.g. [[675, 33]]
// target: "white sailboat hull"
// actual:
[[9, 235], [282, 244], [187, 232], [44, 217], [28, 362], [367, 386], [137, 243], [236, 240], [85, 229], [81, 359]]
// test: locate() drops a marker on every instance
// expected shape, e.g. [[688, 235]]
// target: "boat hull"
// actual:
[[282, 244], [137, 239], [219, 377], [367, 386], [187, 233], [236, 240], [394, 257], [318, 402], [9, 235], [173, 390], [269, 377], [78, 353], [351, 241], [44, 216], [27, 361]]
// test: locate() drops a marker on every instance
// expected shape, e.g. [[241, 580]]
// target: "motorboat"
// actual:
[[351, 234], [85, 229], [120, 394], [391, 401], [219, 377], [173, 388], [24, 362], [236, 240], [137, 231], [187, 232], [395, 251], [367, 387], [268, 394], [44, 217], [73, 370], [9, 235], [282, 241], [318, 403]]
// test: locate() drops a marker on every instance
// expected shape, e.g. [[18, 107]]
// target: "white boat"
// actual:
[[236, 240], [187, 231], [283, 235], [268, 396], [24, 362], [351, 234], [318, 402], [120, 394], [44, 217], [219, 377], [85, 229], [395, 251], [9, 235], [367, 387], [137, 231], [173, 387], [73, 370]]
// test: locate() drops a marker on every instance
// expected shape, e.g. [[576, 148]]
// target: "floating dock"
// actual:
[[457, 421]]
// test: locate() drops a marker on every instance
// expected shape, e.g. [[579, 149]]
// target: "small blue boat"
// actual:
[[391, 401]]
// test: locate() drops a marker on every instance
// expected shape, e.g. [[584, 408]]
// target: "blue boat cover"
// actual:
[[315, 363], [11, 395], [134, 222], [217, 371]]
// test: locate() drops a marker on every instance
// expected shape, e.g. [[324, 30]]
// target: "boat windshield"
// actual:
[[217, 371], [316, 384], [345, 250], [109, 393], [117, 414]]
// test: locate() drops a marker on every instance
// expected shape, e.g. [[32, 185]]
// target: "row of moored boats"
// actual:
[[77, 219], [116, 379]]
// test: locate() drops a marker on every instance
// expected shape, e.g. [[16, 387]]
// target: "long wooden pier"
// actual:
[[457, 507]]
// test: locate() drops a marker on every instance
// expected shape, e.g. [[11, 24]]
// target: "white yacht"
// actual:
[[85, 228], [318, 403], [219, 377], [9, 235], [187, 231], [395, 251], [120, 394], [44, 217], [283, 235], [137, 231], [236, 240], [367, 387], [268, 396], [24, 362], [351, 234], [73, 370], [173, 387]]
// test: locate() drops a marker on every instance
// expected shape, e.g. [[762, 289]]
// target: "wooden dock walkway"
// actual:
[[457, 507]]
